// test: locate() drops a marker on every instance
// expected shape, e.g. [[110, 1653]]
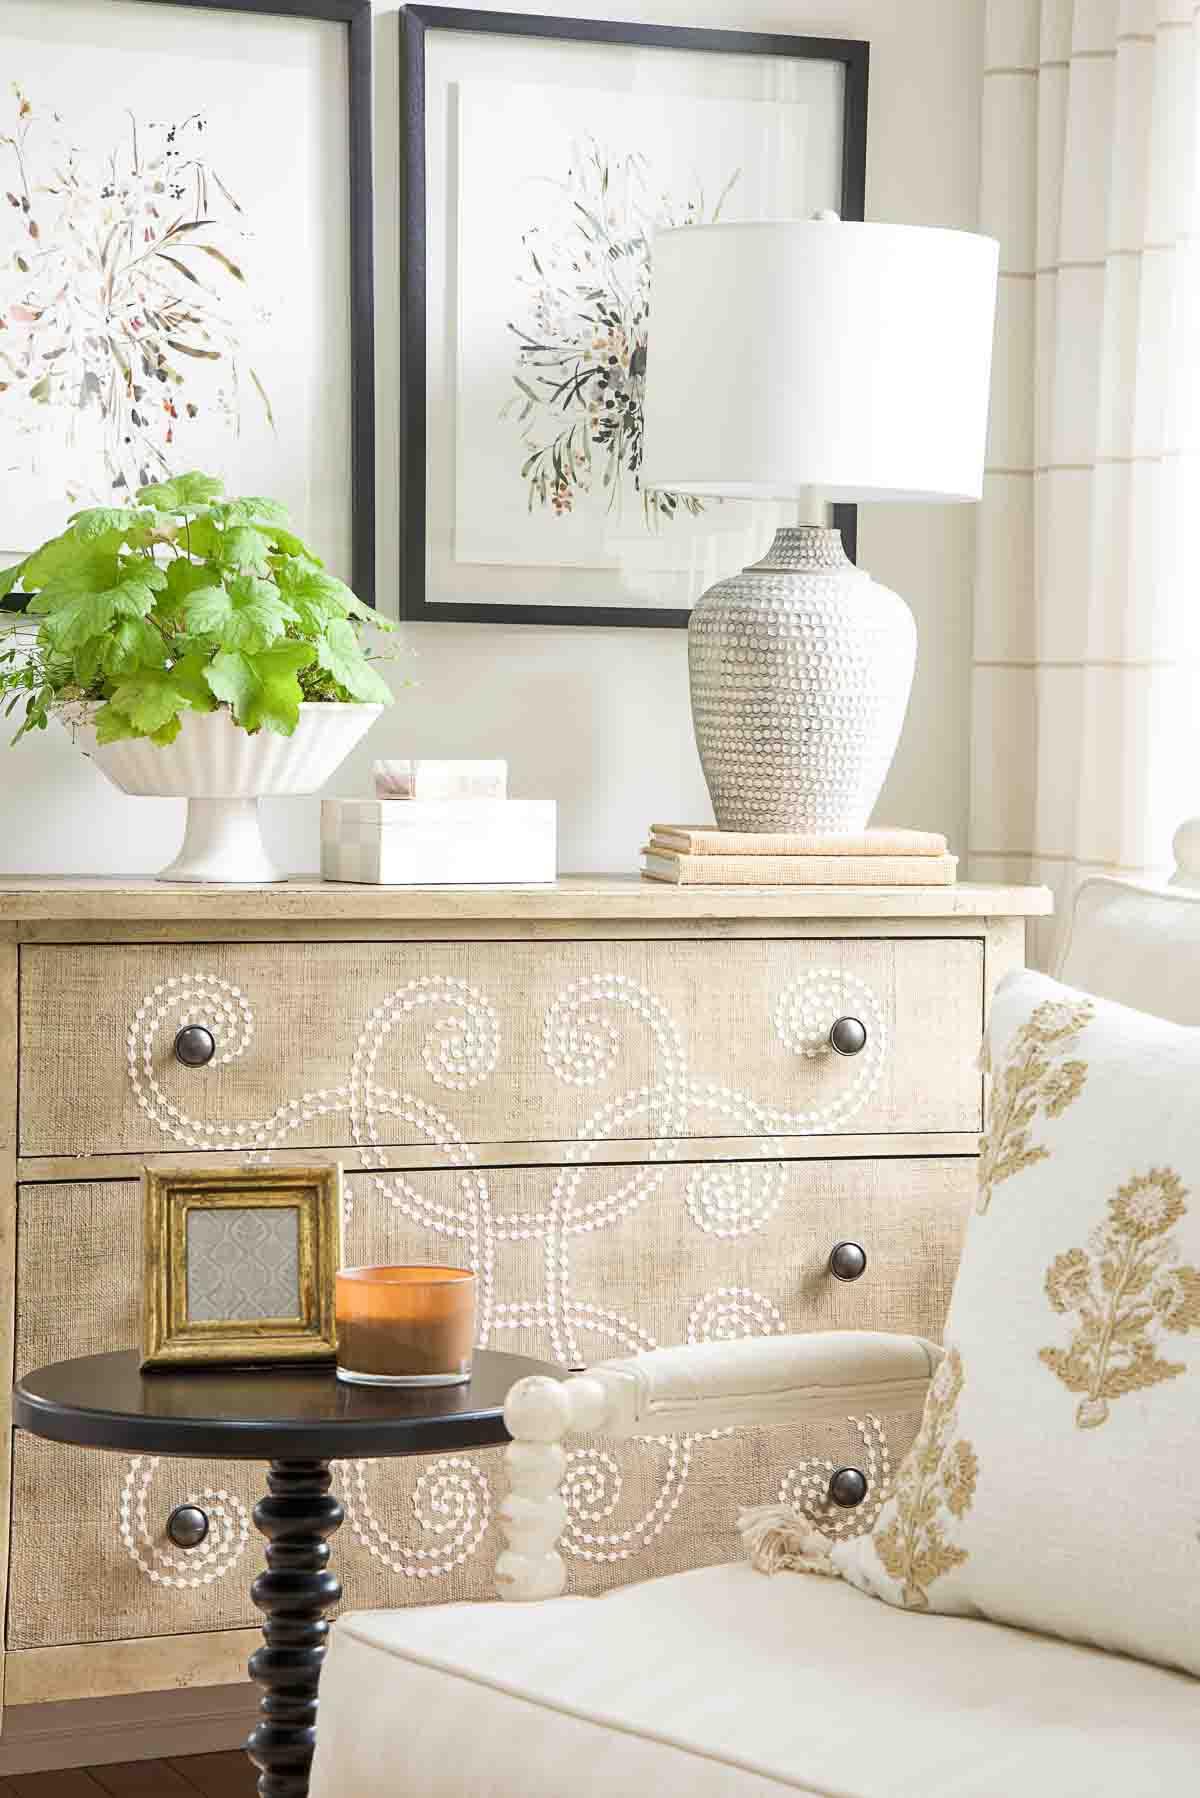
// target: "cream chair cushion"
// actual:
[[722, 1682], [1055, 1481]]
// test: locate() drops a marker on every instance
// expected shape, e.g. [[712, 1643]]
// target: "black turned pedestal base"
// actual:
[[297, 1518], [299, 1420]]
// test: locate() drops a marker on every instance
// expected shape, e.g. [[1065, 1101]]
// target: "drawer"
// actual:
[[344, 1043], [577, 1264]]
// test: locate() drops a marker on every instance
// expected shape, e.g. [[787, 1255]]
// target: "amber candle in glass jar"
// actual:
[[405, 1326]]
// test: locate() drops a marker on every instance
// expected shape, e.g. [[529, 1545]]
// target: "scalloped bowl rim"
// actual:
[[214, 758]]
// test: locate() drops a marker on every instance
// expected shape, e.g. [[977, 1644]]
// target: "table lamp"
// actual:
[[811, 360]]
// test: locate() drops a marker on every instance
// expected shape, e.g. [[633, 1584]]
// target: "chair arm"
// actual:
[[702, 1386]]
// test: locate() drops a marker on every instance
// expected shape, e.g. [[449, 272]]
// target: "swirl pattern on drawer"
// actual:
[[496, 1043], [805, 1487], [580, 1038], [210, 1560], [730, 1200], [452, 1502], [461, 1050], [591, 1491], [581, 1045]]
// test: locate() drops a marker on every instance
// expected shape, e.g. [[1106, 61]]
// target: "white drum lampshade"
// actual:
[[812, 359]]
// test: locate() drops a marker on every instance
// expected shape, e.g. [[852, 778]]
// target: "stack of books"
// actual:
[[439, 823], [702, 855]]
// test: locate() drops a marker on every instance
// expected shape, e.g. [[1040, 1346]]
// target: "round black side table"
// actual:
[[297, 1420]]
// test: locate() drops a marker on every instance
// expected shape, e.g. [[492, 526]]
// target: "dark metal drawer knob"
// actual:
[[847, 1261], [187, 1526], [848, 1036], [847, 1487], [195, 1046]]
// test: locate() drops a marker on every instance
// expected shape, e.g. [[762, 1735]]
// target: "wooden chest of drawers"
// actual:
[[618, 1101]]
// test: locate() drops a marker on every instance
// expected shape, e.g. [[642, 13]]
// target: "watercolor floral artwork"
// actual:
[[559, 191], [580, 375], [176, 284], [123, 298]]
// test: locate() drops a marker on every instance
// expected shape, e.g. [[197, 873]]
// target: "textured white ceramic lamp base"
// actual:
[[222, 772], [801, 667]]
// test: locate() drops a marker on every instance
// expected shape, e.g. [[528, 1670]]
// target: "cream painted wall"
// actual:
[[598, 719]]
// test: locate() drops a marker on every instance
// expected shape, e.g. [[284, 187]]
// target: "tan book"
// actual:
[[799, 870], [706, 839]]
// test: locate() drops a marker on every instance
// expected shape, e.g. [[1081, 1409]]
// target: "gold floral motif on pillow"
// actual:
[[1032, 1079], [1126, 1288]]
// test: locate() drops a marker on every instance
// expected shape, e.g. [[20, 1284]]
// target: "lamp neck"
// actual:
[[804, 548]]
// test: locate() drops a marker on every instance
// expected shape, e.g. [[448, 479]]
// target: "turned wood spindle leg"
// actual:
[[297, 1518], [538, 1414]]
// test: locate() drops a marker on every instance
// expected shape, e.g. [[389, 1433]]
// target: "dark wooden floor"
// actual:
[[196, 1776]]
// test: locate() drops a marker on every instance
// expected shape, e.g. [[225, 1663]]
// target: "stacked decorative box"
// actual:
[[439, 823]]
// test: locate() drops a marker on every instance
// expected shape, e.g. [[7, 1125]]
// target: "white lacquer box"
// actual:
[[445, 842]]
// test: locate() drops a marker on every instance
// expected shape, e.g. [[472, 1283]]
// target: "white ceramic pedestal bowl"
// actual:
[[222, 772]]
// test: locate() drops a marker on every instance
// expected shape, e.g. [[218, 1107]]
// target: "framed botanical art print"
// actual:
[[540, 155], [185, 260], [239, 1267]]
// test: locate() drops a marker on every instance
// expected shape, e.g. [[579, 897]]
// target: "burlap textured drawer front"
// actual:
[[374, 1044], [576, 1265]]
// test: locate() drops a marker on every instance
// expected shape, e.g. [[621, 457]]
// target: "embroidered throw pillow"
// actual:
[[1055, 1481]]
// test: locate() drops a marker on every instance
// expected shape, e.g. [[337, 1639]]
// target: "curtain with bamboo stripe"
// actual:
[[1086, 680]]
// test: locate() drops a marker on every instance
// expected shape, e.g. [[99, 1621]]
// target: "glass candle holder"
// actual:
[[405, 1326]]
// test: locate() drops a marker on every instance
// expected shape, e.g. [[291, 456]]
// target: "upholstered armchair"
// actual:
[[719, 1682]]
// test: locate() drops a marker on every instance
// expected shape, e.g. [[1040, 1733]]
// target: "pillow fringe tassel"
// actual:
[[778, 1540]]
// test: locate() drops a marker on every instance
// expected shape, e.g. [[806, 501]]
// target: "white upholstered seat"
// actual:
[[723, 1683]]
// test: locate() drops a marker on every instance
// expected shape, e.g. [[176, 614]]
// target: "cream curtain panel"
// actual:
[[1086, 704]]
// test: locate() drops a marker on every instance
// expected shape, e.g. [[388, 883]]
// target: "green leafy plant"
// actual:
[[184, 601]]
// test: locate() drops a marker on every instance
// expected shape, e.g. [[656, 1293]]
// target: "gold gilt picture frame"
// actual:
[[239, 1266]]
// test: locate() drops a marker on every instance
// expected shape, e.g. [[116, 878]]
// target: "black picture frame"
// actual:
[[416, 21], [355, 15]]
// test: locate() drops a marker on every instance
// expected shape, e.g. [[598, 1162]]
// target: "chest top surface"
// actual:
[[582, 897]]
